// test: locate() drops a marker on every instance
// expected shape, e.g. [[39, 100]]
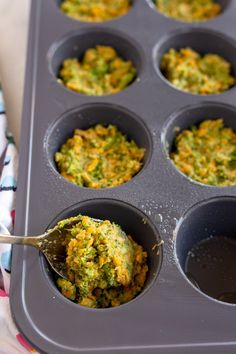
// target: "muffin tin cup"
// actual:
[[225, 5], [131, 220], [88, 116], [207, 258], [148, 206], [58, 3], [75, 44], [203, 41], [194, 115]]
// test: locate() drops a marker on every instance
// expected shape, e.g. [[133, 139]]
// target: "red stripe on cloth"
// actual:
[[3, 293], [25, 344]]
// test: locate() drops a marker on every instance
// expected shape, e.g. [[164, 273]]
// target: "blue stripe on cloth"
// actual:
[[8, 184], [6, 260], [7, 160], [5, 189], [2, 108]]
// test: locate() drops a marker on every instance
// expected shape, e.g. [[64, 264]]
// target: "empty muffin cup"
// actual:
[[206, 248]]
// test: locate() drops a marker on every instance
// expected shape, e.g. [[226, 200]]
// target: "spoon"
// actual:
[[51, 244]]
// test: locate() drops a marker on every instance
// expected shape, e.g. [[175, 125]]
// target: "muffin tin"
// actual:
[[171, 315]]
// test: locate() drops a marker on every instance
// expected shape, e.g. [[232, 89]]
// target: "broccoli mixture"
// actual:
[[199, 74], [189, 10], [207, 153], [105, 267], [95, 10], [99, 157], [100, 72]]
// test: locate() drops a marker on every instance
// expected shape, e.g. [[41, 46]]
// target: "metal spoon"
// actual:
[[51, 244]]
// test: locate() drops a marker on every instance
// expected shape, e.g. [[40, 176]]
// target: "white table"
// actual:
[[14, 16]]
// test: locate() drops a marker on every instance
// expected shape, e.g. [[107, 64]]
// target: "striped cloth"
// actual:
[[11, 341]]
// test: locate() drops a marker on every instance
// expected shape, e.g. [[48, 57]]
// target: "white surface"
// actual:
[[13, 34]]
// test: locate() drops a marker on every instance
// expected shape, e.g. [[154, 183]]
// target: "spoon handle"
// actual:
[[21, 240]]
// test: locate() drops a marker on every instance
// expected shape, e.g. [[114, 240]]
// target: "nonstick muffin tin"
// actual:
[[171, 315]]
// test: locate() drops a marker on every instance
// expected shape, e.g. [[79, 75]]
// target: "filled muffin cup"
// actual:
[[95, 62], [199, 126], [190, 12], [94, 11], [133, 223], [196, 61], [133, 145]]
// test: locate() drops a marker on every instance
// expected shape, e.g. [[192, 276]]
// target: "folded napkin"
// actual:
[[11, 341]]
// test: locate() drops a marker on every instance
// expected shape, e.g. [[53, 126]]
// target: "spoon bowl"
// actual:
[[52, 243]]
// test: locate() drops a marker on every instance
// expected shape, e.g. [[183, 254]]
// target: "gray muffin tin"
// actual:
[[171, 315]]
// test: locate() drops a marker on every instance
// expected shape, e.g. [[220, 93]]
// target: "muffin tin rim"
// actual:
[[157, 295]]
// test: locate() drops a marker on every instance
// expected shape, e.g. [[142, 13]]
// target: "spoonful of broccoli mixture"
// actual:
[[97, 264], [105, 267]]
